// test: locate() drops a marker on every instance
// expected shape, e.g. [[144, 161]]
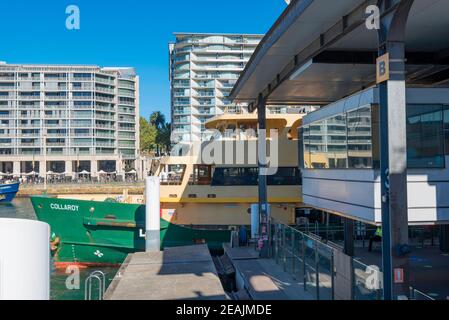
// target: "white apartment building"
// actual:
[[68, 119], [203, 71]]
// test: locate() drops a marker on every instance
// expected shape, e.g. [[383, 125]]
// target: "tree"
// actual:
[[163, 138], [148, 136]]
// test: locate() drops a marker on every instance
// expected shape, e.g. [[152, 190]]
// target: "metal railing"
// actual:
[[417, 295], [101, 279], [305, 258]]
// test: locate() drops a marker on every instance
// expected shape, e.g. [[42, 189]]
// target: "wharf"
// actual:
[[263, 279], [182, 273]]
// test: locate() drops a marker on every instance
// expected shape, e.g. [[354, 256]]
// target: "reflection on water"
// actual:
[[21, 208]]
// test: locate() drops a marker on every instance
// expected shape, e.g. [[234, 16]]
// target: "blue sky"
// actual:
[[124, 33]]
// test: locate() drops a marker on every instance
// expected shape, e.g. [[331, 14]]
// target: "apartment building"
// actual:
[[203, 71], [68, 119]]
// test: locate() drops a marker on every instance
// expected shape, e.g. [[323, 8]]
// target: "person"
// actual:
[[243, 236], [377, 237]]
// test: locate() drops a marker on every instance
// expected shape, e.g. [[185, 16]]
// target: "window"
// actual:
[[425, 137], [286, 176], [351, 140], [360, 148]]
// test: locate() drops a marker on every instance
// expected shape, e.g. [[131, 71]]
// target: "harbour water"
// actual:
[[21, 208]]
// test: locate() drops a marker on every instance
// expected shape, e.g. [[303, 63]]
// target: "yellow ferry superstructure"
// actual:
[[199, 194]]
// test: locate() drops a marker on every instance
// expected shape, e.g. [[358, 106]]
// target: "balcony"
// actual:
[[104, 108], [106, 99], [56, 97], [82, 98], [7, 88], [127, 103], [105, 81], [105, 144], [83, 87], [104, 117], [56, 144], [82, 79], [126, 86], [29, 144], [104, 126], [106, 90]]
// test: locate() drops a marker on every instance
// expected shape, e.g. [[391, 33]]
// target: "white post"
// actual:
[[152, 214], [24, 260], [255, 221]]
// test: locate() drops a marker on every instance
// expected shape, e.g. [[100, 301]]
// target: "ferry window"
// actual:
[[359, 139], [286, 176], [202, 175], [425, 136]]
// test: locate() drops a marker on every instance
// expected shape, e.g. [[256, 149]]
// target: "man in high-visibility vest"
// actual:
[[377, 237]]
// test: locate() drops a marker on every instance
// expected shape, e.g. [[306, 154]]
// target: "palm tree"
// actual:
[[157, 119]]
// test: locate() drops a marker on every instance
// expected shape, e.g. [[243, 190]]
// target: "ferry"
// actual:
[[200, 202], [8, 191]]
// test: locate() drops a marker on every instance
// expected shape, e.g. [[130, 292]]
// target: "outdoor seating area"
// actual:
[[83, 177]]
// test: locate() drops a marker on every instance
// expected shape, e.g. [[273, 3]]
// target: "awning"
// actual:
[[317, 53]]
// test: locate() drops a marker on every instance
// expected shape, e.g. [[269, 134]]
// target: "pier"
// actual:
[[183, 273]]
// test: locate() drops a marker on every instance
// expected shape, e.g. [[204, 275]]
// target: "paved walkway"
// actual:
[[264, 279], [184, 273]]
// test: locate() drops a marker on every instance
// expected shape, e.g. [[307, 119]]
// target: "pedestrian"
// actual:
[[377, 237]]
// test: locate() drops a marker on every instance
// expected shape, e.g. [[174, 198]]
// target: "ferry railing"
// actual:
[[88, 285]]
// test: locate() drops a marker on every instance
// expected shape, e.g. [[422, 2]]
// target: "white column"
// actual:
[[152, 214], [24, 260], [68, 168], [94, 168], [16, 169], [255, 221], [42, 168]]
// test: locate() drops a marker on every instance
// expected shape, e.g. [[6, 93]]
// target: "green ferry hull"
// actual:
[[94, 233]]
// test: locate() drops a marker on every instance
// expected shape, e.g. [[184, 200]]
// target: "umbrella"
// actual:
[[84, 172], [49, 173], [32, 173], [132, 172], [101, 172]]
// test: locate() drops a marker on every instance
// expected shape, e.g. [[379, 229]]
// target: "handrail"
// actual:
[[101, 277]]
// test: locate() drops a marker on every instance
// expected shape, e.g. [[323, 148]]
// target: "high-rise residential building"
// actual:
[[203, 70], [68, 119]]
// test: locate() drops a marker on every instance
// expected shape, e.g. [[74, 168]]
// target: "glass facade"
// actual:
[[351, 140]]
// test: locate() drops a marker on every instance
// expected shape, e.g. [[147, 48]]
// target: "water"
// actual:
[[21, 208]]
